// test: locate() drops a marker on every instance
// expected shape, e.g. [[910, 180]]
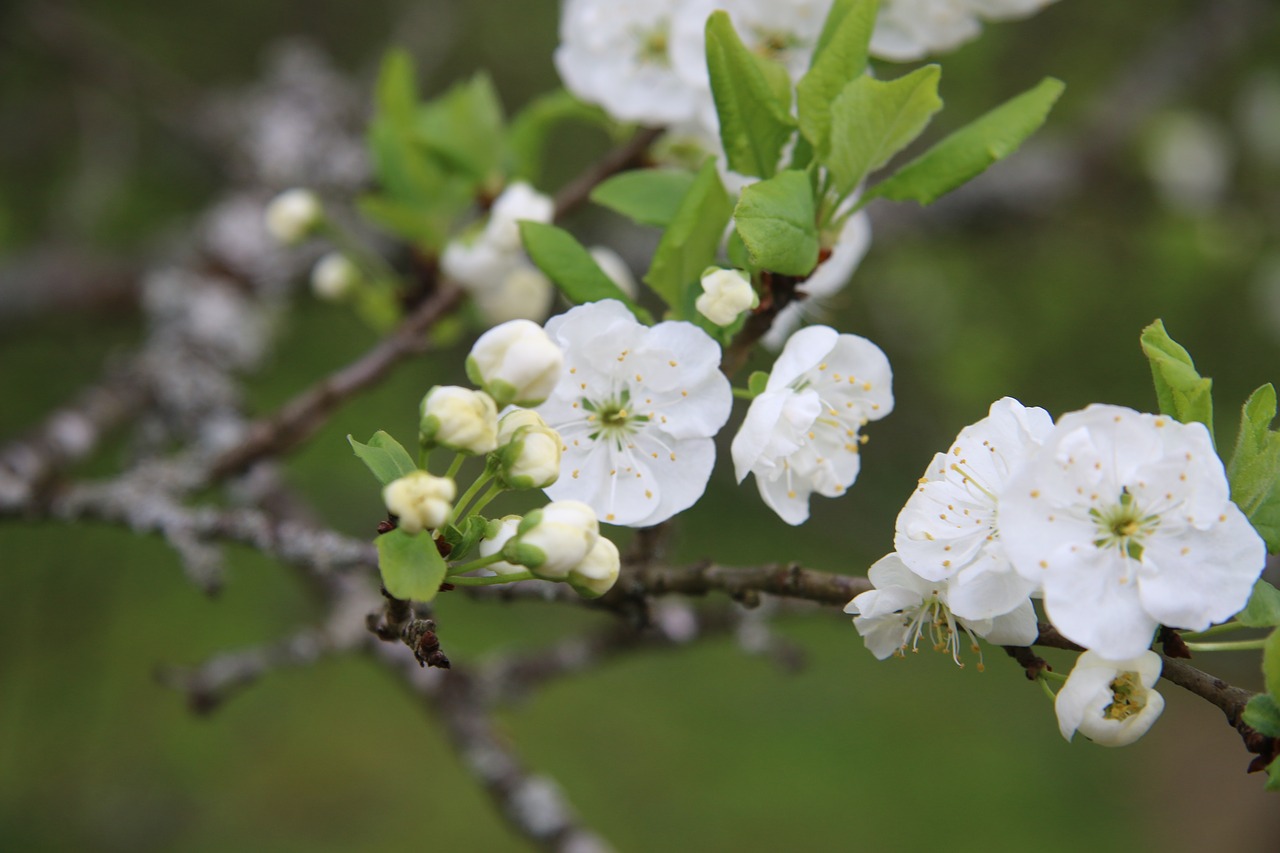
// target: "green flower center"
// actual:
[[614, 417], [653, 46], [1128, 697], [1124, 526]]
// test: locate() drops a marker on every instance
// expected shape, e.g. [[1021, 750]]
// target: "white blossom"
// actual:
[[637, 408], [516, 363], [1110, 702], [497, 535], [612, 265], [420, 501], [598, 571], [521, 292], [459, 419], [1125, 521], [334, 276], [949, 528], [725, 295], [847, 248], [293, 214], [904, 607], [911, 29], [517, 203], [554, 540], [800, 434], [616, 54]]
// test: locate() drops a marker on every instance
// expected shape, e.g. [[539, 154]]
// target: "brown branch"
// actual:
[[786, 580], [299, 419]]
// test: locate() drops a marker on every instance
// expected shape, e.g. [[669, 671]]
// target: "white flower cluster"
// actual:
[[492, 265], [1120, 521], [912, 29]]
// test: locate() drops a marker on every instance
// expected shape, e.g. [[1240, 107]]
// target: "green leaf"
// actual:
[[1273, 776], [1271, 663], [872, 120], [386, 457], [558, 254], [532, 127], [463, 539], [1254, 470], [1263, 609], [463, 128], [1263, 714], [969, 151], [841, 56], [1181, 391], [753, 100], [646, 196], [690, 242], [777, 222], [396, 93], [412, 569]]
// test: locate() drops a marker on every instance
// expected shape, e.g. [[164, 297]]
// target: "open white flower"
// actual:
[[515, 362], [1125, 521], [949, 528], [911, 29], [420, 501], [616, 54], [801, 434], [904, 607], [1112, 703], [637, 408]]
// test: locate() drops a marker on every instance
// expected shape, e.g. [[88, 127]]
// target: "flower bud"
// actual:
[[499, 533], [612, 264], [420, 500], [516, 362], [530, 457], [725, 295], [518, 201], [294, 214], [459, 419], [521, 292], [554, 540], [598, 572], [334, 276], [515, 420]]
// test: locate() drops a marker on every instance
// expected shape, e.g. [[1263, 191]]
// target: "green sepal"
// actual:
[[520, 554], [1182, 393], [567, 263], [1254, 470], [757, 382], [872, 120], [645, 196], [464, 538], [840, 56], [690, 243], [972, 149], [1262, 714], [777, 223], [1263, 609], [412, 569], [384, 456], [753, 100]]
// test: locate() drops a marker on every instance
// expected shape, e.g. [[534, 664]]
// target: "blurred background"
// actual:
[[1154, 191]]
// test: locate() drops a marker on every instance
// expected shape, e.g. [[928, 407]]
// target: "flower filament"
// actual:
[[1124, 526], [1128, 697], [945, 631]]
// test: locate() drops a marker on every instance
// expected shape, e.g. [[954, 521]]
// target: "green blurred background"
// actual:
[[703, 748]]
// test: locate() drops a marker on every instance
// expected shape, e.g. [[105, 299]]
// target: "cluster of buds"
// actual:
[[559, 542]]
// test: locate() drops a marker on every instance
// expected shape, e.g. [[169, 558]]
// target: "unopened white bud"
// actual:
[[518, 201], [521, 292], [459, 419], [725, 295], [554, 540], [517, 363], [334, 276], [612, 264], [531, 458], [515, 420], [294, 214], [500, 531], [598, 572], [420, 500]]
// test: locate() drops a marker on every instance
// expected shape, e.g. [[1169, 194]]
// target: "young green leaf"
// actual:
[[753, 101], [777, 222], [1181, 391], [969, 151], [646, 196], [872, 120], [385, 457], [1271, 663], [411, 566], [1254, 470], [463, 129], [396, 94], [840, 56], [690, 242], [531, 129], [1263, 714], [1263, 609], [567, 263]]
